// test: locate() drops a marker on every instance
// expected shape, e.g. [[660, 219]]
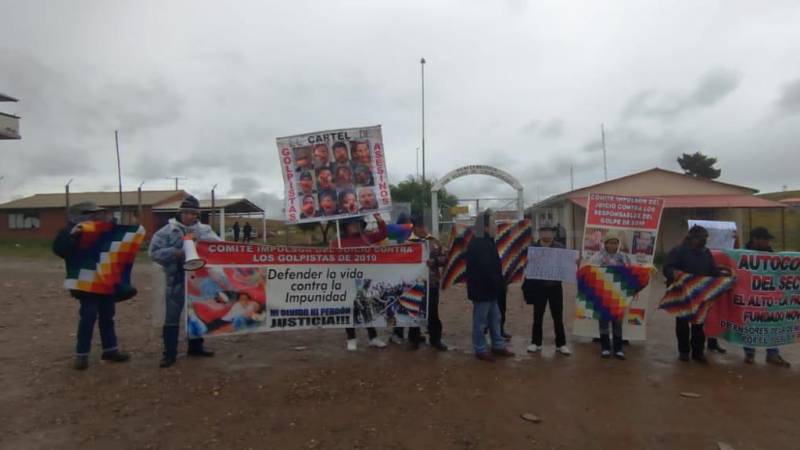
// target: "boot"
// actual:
[[196, 348], [81, 362], [170, 337], [115, 356]]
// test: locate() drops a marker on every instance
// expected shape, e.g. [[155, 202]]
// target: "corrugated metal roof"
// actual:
[[231, 205], [7, 98], [705, 201], [41, 201]]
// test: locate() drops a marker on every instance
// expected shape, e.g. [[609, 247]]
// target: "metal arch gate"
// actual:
[[472, 170]]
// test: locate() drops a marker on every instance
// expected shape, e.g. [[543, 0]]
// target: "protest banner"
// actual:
[[762, 309], [513, 240], [547, 263], [721, 235], [635, 221], [248, 288], [334, 174]]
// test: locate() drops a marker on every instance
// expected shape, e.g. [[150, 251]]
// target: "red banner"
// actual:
[[248, 254]]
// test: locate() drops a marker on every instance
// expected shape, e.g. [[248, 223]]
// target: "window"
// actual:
[[23, 221]]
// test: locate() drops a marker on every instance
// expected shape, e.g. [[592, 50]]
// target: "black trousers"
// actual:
[[555, 298], [434, 323], [691, 337], [501, 303], [351, 333]]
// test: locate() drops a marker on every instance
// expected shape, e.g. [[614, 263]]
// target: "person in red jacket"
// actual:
[[352, 234]]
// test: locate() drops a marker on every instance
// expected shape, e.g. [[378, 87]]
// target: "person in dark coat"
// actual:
[[760, 239], [248, 232], [236, 231], [540, 293], [485, 284], [693, 257], [98, 308]]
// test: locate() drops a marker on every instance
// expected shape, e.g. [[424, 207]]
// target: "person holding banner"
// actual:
[[166, 249], [352, 234], [485, 284], [692, 257], [760, 239], [610, 256], [94, 307], [541, 292]]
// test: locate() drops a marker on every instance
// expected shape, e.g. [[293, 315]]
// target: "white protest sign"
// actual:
[[721, 235], [547, 263]]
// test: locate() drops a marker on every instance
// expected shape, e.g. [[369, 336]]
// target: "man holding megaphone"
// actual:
[[172, 248]]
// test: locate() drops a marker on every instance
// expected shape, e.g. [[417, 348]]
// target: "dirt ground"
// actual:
[[261, 392]]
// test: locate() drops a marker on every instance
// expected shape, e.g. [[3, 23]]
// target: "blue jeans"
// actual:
[[90, 310], [748, 351], [486, 314]]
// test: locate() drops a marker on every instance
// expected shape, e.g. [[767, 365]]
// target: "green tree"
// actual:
[[699, 165], [412, 191]]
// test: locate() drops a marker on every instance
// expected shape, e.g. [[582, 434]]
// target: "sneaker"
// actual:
[[717, 348], [485, 356], [395, 339], [116, 356], [441, 346], [502, 352], [778, 361], [81, 362], [377, 343], [684, 357], [564, 350], [605, 354], [167, 361], [750, 358], [533, 348], [352, 345], [620, 355]]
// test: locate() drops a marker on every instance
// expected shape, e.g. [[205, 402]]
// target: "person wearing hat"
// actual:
[[540, 293], [760, 239], [692, 257], [610, 256], [437, 258], [99, 308], [352, 234], [485, 283], [166, 249]]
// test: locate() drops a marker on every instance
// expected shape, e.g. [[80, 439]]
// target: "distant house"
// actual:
[[42, 215], [685, 198]]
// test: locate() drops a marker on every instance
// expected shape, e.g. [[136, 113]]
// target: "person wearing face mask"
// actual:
[[166, 249], [692, 257], [485, 284], [540, 293]]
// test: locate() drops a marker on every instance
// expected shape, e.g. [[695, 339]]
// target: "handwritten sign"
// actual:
[[547, 263]]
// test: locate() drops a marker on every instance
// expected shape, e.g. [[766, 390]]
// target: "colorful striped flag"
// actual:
[[513, 240], [413, 300], [108, 253], [606, 292], [693, 295]]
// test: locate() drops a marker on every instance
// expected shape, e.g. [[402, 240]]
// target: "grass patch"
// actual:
[[26, 247]]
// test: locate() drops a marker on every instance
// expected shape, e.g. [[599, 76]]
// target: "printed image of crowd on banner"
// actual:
[[334, 174], [247, 288], [225, 300], [762, 309], [635, 222]]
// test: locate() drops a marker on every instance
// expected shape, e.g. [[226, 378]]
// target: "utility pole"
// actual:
[[66, 190], [571, 178], [605, 166], [139, 201], [213, 204], [119, 173], [176, 180], [422, 66]]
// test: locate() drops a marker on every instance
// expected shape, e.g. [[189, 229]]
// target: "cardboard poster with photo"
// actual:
[[635, 220], [334, 174]]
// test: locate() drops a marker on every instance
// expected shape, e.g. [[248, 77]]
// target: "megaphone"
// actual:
[[192, 261]]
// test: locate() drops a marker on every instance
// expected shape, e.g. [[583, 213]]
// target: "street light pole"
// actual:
[[66, 189]]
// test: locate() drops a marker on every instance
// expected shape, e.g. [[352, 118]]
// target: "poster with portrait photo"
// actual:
[[342, 161]]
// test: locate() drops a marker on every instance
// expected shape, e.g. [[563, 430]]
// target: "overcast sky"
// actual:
[[201, 89]]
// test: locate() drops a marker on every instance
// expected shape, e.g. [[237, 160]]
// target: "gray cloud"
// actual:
[[553, 129], [789, 102], [709, 90]]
